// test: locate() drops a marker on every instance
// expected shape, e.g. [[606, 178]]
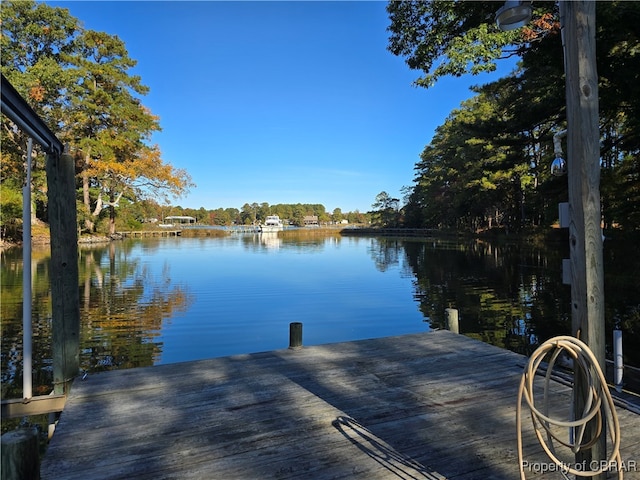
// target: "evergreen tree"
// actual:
[[78, 80]]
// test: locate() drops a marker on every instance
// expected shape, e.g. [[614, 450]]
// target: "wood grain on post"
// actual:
[[20, 459], [295, 335], [63, 269], [583, 148], [452, 319]]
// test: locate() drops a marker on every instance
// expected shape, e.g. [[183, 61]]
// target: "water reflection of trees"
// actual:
[[512, 295], [123, 303], [11, 311], [622, 292], [305, 240], [506, 295], [385, 252]]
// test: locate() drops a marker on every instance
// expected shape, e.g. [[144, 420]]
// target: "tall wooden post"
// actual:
[[583, 149], [64, 270]]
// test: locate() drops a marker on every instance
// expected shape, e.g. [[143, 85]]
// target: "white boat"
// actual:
[[272, 224]]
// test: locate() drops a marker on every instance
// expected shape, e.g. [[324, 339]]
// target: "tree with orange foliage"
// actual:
[[113, 128], [79, 80]]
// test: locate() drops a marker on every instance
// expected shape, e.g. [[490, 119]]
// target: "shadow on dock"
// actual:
[[433, 405]]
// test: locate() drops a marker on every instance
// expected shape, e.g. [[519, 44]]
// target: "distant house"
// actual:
[[180, 220], [310, 221]]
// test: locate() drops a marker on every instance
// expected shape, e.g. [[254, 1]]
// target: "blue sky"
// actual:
[[279, 102]]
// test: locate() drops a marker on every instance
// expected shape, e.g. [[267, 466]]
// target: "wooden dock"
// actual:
[[422, 406], [151, 233]]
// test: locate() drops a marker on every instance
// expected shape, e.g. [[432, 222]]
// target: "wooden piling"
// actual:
[[20, 459], [452, 319], [64, 269], [295, 335], [578, 20]]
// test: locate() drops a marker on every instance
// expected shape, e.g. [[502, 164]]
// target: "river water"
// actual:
[[151, 301]]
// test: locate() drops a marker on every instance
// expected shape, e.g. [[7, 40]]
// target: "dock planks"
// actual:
[[422, 406]]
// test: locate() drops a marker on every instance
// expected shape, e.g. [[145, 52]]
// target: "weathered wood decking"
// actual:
[[432, 406]]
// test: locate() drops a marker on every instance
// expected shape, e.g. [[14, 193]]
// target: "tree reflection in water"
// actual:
[[511, 294], [122, 309]]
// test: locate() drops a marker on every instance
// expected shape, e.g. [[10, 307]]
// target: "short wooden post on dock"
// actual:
[[452, 320], [295, 335], [20, 459]]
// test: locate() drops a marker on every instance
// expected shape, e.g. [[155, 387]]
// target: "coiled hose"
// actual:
[[596, 391]]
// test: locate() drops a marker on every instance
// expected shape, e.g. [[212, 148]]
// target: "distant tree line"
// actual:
[[488, 165], [250, 214]]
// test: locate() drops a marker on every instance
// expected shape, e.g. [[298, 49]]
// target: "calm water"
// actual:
[[153, 301]]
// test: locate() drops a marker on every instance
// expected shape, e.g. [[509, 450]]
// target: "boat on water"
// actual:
[[272, 224]]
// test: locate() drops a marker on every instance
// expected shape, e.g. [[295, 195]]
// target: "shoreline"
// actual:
[[552, 234]]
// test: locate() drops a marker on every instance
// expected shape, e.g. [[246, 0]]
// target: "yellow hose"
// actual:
[[597, 391]]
